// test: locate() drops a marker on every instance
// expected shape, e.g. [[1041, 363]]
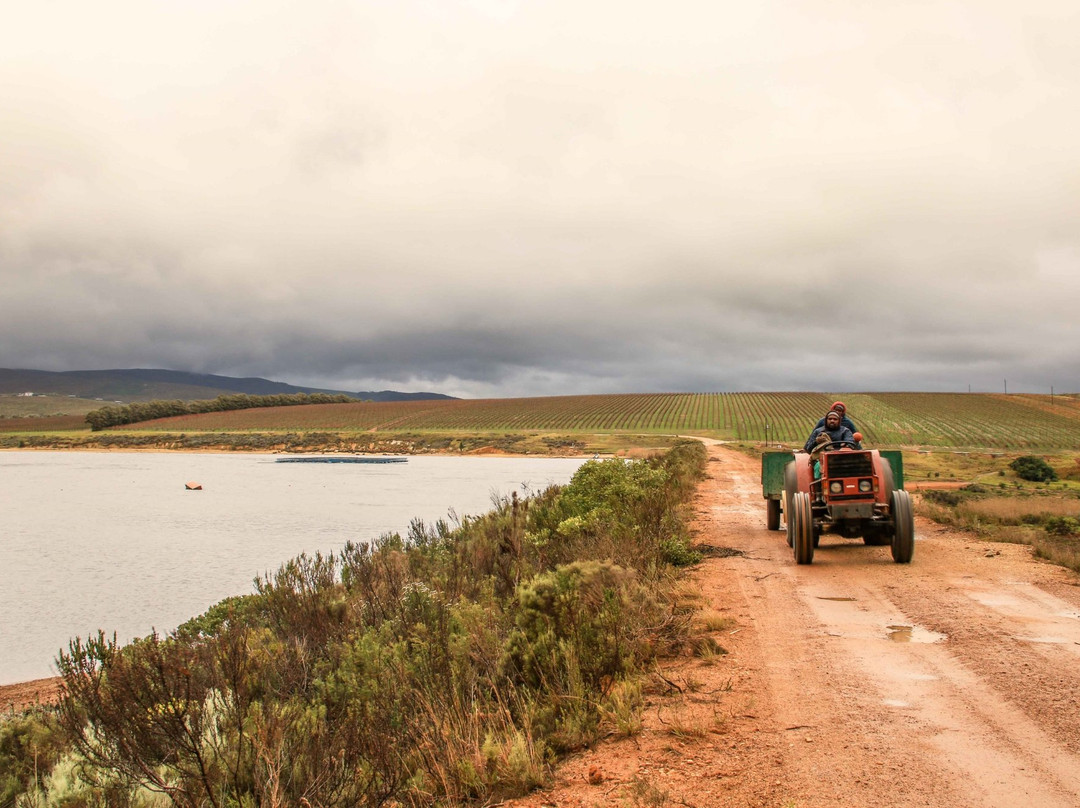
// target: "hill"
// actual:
[[956, 421], [147, 384]]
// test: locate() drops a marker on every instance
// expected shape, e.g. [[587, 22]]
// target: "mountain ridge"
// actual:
[[148, 384]]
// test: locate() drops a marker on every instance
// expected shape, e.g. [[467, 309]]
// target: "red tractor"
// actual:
[[840, 489]]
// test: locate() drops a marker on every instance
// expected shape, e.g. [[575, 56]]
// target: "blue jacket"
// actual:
[[840, 433]]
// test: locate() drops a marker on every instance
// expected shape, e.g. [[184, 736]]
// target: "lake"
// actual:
[[115, 541]]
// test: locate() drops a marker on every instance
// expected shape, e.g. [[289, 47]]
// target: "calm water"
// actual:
[[114, 541]]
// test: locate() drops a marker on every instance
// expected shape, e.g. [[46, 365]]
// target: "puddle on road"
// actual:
[[913, 634], [844, 600]]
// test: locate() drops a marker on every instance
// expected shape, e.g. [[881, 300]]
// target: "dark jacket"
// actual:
[[840, 433]]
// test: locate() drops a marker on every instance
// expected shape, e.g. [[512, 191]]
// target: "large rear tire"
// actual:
[[887, 483], [802, 528], [880, 539], [903, 542], [772, 513], [790, 486]]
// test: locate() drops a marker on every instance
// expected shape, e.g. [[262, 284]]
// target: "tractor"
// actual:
[[839, 489]]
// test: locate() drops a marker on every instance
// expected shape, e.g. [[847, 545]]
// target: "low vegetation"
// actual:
[[450, 665], [1025, 500]]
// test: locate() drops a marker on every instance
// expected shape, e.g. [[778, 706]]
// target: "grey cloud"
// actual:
[[500, 198]]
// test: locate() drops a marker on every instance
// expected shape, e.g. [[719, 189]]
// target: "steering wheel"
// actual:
[[829, 444]]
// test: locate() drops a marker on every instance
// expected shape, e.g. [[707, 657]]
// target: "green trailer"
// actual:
[[772, 479]]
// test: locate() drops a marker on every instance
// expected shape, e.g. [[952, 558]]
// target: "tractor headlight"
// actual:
[[836, 487], [865, 485]]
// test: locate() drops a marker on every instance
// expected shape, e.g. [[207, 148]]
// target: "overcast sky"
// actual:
[[540, 197]]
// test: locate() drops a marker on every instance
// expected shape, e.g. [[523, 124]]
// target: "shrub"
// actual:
[[939, 497], [579, 629], [593, 609], [1033, 469], [1062, 525], [30, 744]]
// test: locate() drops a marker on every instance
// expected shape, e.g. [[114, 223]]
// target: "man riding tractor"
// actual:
[[836, 486]]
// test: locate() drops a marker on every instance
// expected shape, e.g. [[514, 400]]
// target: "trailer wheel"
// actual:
[[802, 528], [772, 513], [903, 541]]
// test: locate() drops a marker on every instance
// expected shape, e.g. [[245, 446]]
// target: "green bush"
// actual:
[[592, 614], [30, 745], [1034, 469], [1061, 525], [943, 497]]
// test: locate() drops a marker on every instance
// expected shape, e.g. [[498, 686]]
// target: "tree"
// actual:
[[1034, 469]]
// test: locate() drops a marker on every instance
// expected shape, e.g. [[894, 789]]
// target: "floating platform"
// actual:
[[371, 460]]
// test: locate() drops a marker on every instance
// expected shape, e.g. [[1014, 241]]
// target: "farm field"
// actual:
[[45, 406], [946, 420]]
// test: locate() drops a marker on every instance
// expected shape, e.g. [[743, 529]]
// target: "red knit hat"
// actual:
[[839, 405]]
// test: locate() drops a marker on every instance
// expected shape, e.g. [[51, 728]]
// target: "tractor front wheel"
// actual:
[[903, 542], [801, 519]]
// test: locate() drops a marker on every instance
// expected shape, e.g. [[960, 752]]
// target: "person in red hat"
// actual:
[[838, 406]]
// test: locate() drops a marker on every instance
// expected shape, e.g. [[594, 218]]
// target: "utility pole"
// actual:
[[1006, 387]]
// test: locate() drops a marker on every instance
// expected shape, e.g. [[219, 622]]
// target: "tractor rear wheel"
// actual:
[[772, 514], [903, 541], [802, 528], [879, 539]]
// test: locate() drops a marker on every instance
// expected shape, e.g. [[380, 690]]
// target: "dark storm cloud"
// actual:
[[486, 197]]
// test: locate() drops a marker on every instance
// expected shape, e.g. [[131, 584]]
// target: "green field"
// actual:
[[44, 406], [946, 420]]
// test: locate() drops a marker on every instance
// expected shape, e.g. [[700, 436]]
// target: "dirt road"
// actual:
[[854, 682]]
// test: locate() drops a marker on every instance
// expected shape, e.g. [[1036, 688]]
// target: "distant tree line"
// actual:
[[149, 410]]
